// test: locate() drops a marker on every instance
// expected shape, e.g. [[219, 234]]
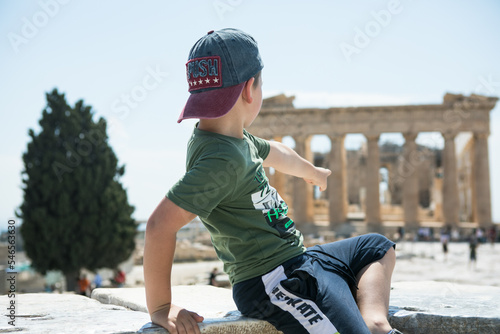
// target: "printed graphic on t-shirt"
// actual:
[[273, 207]]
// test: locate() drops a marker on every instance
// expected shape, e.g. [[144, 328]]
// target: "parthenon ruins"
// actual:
[[456, 115]]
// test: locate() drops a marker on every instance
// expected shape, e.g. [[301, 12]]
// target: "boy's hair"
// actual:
[[219, 64], [257, 79]]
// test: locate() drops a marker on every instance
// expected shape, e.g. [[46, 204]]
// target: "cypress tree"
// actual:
[[75, 211]]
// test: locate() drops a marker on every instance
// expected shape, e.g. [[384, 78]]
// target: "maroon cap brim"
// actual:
[[211, 104]]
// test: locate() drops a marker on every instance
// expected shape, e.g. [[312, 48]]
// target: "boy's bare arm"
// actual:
[[159, 250], [287, 161]]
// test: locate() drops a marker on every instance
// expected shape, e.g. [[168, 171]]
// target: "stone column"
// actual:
[[450, 187], [372, 184], [437, 198], [303, 201], [337, 181], [482, 191], [410, 184]]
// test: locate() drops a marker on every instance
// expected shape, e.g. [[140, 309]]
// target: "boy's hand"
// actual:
[[319, 178], [177, 320]]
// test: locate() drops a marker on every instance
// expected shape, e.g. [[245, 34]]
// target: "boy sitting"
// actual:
[[339, 287]]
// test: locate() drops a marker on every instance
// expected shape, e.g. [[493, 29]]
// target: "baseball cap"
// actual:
[[218, 66]]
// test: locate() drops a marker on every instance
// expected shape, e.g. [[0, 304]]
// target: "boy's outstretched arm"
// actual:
[[286, 160], [159, 249]]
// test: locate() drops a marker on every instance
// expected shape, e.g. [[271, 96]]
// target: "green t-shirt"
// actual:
[[226, 186]]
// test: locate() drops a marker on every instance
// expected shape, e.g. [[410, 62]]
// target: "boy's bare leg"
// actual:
[[372, 297]]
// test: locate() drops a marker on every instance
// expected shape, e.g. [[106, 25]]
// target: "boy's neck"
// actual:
[[225, 125]]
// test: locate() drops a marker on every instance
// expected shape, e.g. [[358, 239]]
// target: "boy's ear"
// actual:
[[247, 93]]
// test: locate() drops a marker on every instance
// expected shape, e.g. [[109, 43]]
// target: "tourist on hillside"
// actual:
[[492, 235], [97, 281], [84, 285], [445, 238], [473, 244], [212, 280], [119, 278]]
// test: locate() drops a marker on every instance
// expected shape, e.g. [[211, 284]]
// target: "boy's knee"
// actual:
[[377, 323], [390, 255]]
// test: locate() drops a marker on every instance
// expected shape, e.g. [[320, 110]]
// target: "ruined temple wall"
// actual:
[[358, 181]]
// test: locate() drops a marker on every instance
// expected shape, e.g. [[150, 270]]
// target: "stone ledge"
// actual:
[[444, 308], [228, 325], [416, 308], [216, 305]]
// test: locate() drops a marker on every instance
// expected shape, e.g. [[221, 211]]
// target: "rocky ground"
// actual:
[[417, 261]]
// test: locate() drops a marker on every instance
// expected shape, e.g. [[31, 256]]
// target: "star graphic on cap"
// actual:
[[194, 83], [207, 80], [200, 81], [216, 80], [190, 83]]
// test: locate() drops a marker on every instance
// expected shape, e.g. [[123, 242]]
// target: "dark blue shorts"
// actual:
[[312, 293]]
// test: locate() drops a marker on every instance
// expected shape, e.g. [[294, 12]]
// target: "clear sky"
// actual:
[[127, 60]]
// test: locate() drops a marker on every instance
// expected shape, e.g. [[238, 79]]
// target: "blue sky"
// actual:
[[127, 60]]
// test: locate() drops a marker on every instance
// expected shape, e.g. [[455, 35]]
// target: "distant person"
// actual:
[[213, 277], [492, 235], [83, 285], [97, 281], [401, 232], [473, 244], [424, 234], [480, 235], [119, 278], [445, 238]]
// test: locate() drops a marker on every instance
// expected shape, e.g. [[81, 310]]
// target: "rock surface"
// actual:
[[208, 301], [444, 308], [43, 313], [416, 308]]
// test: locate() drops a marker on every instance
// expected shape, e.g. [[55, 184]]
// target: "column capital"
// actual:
[[301, 137], [410, 136], [481, 135], [336, 136], [372, 136], [449, 135]]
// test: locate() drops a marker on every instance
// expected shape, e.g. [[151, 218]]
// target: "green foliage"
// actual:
[[75, 211]]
